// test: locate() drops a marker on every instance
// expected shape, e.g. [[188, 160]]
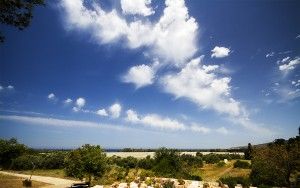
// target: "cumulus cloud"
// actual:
[[220, 52], [201, 86], [298, 37], [1, 88], [102, 112], [10, 87], [115, 110], [270, 54], [291, 65], [173, 37], [80, 102], [51, 96], [68, 101], [139, 7], [140, 75]]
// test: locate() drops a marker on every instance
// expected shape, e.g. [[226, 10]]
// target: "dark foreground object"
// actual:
[[80, 185]]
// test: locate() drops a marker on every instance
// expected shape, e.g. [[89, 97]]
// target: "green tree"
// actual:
[[88, 161], [17, 13], [10, 150], [167, 163], [248, 152]]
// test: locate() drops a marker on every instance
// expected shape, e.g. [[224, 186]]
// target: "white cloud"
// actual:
[[51, 96], [173, 37], [154, 120], [140, 75], [298, 37], [270, 54], [58, 122], [140, 7], [204, 88], [291, 65], [222, 130], [285, 59], [220, 52], [102, 112], [1, 88], [68, 101], [198, 128], [80, 102], [115, 110], [10, 87]]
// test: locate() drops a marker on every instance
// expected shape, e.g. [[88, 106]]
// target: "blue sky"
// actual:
[[181, 74]]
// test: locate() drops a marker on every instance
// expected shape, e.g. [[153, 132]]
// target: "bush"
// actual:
[[194, 177], [27, 162], [168, 184], [221, 164], [10, 150], [232, 181], [211, 158], [241, 164], [146, 163], [167, 163]]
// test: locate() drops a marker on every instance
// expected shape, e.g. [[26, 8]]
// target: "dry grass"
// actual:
[[57, 173], [211, 172], [7, 181]]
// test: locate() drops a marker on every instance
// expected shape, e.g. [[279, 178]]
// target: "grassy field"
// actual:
[[211, 172], [58, 173], [7, 181]]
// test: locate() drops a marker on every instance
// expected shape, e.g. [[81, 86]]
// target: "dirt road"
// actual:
[[55, 182]]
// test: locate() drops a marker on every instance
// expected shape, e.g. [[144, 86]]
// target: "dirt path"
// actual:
[[55, 182]]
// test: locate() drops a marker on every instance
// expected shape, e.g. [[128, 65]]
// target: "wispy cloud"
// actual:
[[58, 122], [271, 54]]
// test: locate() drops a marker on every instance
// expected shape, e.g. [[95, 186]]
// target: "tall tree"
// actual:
[[17, 13], [248, 152]]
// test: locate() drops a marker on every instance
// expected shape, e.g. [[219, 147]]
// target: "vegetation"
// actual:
[[276, 164], [10, 150], [248, 152], [241, 164], [88, 161], [233, 181], [17, 13]]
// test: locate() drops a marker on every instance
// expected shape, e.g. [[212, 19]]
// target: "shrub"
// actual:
[[194, 177], [10, 150], [211, 158], [168, 184], [146, 163], [27, 162], [221, 164], [181, 181], [232, 181], [241, 164]]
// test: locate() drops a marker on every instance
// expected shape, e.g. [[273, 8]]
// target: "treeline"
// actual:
[[231, 150]]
